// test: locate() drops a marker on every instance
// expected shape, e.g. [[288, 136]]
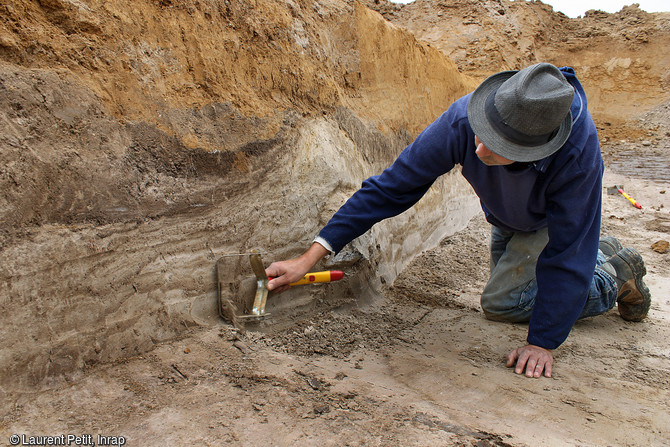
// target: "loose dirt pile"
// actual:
[[144, 139]]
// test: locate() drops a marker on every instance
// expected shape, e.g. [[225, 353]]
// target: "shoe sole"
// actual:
[[634, 298]]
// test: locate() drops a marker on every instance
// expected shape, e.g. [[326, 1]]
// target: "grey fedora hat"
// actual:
[[523, 115]]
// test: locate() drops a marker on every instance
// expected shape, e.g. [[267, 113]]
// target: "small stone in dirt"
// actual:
[[321, 409], [660, 246], [242, 347], [314, 383], [187, 350], [340, 376]]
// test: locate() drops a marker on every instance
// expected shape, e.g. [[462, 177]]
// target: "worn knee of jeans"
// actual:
[[512, 306], [510, 292]]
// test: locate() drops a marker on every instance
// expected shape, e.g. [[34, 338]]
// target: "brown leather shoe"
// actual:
[[634, 299]]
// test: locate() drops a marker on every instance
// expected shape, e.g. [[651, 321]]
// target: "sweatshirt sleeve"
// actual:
[[566, 265], [434, 152]]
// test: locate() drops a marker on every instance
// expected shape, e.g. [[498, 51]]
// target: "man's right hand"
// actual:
[[534, 359], [292, 270]]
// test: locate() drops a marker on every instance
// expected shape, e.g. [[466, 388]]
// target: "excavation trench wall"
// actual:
[[143, 140]]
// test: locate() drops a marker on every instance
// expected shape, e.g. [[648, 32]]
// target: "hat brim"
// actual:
[[496, 142]]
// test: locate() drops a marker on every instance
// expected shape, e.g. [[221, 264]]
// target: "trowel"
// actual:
[[619, 189], [240, 301]]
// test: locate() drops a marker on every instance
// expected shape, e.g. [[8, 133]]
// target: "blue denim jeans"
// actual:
[[510, 292]]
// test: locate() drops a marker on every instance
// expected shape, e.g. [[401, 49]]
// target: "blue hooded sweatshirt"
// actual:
[[561, 192]]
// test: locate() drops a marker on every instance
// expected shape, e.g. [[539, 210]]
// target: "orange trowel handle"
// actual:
[[327, 276]]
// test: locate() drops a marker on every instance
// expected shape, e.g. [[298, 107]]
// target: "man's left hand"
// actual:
[[533, 358]]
